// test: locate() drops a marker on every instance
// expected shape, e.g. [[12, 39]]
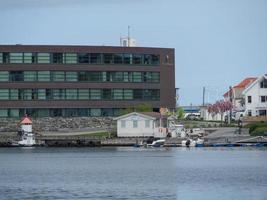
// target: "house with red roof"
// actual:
[[235, 95]]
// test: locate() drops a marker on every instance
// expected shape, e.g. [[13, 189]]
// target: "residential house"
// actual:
[[256, 97]]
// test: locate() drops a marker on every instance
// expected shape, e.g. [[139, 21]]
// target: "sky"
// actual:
[[217, 42]]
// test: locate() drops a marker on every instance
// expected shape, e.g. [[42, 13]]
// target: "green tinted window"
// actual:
[[58, 94], [43, 58], [71, 58], [71, 94], [4, 94], [16, 57], [58, 76], [41, 94], [95, 112], [14, 112], [137, 77], [4, 76], [71, 76], [29, 57], [14, 94], [3, 112], [27, 94], [1, 57], [83, 94], [118, 94], [95, 94], [128, 94], [30, 76], [43, 75]]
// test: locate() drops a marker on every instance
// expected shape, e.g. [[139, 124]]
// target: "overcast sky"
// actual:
[[217, 42]]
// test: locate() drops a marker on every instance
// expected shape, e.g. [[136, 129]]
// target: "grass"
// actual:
[[99, 134], [257, 129]]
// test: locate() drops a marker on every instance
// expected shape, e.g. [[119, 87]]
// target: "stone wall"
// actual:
[[59, 124]]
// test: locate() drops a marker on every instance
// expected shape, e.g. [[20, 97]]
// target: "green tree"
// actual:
[[179, 113]]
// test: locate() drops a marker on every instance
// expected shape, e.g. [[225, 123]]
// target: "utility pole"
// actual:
[[204, 91]]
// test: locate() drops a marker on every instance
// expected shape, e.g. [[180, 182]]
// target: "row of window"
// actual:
[[73, 76], [61, 112], [80, 58], [135, 123], [263, 99], [80, 94]]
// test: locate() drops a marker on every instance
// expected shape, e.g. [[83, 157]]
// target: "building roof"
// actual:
[[242, 85], [254, 82], [151, 115], [26, 120]]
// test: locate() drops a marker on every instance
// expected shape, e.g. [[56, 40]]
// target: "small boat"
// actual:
[[193, 143], [28, 140], [157, 143]]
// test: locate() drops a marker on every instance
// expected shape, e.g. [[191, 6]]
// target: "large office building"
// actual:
[[50, 80]]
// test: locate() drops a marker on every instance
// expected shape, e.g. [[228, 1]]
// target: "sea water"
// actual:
[[133, 173]]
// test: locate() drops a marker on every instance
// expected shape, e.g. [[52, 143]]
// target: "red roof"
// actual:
[[242, 85], [26, 120]]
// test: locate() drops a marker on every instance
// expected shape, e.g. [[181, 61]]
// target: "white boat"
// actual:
[[157, 143], [192, 143]]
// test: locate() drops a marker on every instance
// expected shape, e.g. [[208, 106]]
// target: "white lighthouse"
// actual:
[[28, 138]]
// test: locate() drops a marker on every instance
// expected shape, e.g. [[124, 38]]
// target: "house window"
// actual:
[[263, 99], [263, 83], [147, 123], [262, 113], [135, 123], [123, 124], [249, 99], [249, 113]]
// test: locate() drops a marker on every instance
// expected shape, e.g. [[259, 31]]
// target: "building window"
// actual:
[[155, 77], [3, 112], [262, 113], [43, 75], [4, 76], [147, 59], [135, 124], [1, 57], [58, 94], [43, 58], [14, 94], [70, 58], [95, 94], [137, 77], [123, 123], [16, 76], [263, 83], [147, 123], [83, 94], [249, 113], [41, 94], [263, 99], [155, 59], [95, 58], [83, 58], [4, 94], [29, 76], [137, 94], [58, 76], [14, 112], [16, 57], [249, 99], [5, 57], [71, 76], [94, 76], [128, 94], [108, 58], [29, 58], [118, 58], [71, 94], [82, 76], [95, 112], [137, 59], [57, 57], [107, 112], [128, 59], [118, 94], [107, 95]]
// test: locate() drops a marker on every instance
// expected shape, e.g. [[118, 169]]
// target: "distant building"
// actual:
[[256, 97], [148, 124], [78, 81], [236, 94]]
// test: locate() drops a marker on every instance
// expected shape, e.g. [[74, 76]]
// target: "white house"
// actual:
[[256, 97], [136, 124]]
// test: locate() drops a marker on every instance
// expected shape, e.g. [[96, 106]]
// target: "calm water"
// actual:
[[133, 173]]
